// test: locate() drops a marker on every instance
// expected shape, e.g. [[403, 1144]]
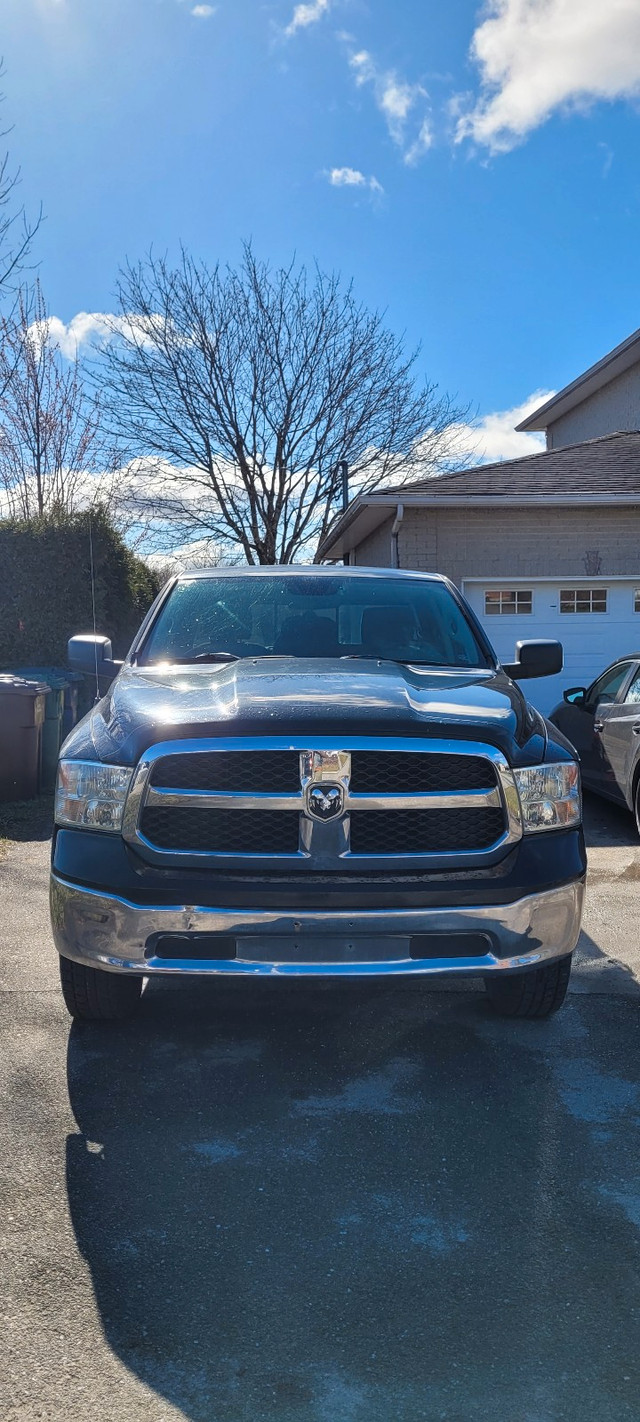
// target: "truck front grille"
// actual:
[[272, 772], [397, 772], [222, 831], [386, 800], [424, 831]]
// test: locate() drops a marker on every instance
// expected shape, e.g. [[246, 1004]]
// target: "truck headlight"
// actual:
[[91, 795], [549, 796]]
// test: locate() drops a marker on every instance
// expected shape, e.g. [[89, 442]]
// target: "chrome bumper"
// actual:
[[103, 931]]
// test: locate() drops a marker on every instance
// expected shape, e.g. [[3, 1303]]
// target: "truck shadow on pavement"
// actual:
[[607, 825], [329, 1203]]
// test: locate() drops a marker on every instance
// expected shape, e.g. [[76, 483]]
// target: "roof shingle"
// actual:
[[607, 465]]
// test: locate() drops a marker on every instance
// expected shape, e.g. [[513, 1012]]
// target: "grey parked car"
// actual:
[[603, 723]]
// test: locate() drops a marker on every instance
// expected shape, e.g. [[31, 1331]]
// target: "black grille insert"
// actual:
[[222, 831], [199, 947], [424, 831], [382, 772], [450, 945], [249, 772]]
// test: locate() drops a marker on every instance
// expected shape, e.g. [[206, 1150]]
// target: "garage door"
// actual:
[[595, 620]]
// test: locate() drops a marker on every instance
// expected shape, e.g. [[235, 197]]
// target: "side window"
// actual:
[[633, 695], [608, 686]]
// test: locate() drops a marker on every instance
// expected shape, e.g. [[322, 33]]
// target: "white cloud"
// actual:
[[307, 14], [203, 12], [494, 436], [397, 100], [203, 553], [421, 143], [88, 328], [353, 178], [537, 56]]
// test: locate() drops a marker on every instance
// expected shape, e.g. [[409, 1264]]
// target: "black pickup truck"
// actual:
[[315, 772]]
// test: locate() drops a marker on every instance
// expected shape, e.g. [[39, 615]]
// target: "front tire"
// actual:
[[636, 804], [91, 995], [535, 993]]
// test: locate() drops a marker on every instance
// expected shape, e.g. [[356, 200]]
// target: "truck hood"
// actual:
[[315, 697]]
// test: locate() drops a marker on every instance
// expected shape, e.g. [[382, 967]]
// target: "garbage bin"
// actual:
[[57, 681], [22, 713]]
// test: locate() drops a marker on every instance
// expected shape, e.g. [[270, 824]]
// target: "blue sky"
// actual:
[[475, 169]]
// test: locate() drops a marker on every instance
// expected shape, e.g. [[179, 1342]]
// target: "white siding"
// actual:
[[615, 407]]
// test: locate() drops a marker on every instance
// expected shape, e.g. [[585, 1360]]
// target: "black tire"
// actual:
[[535, 993], [636, 803], [95, 996]]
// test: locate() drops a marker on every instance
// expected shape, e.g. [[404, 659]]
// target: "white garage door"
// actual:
[[595, 620]]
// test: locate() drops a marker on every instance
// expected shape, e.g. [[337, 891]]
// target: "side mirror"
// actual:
[[90, 654], [542, 658], [575, 695]]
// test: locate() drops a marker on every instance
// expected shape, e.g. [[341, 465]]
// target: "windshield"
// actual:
[[400, 619]]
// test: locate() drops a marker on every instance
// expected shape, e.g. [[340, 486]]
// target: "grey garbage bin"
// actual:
[[57, 679], [22, 712]]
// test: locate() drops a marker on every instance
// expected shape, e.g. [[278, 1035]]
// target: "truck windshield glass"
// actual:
[[395, 619]]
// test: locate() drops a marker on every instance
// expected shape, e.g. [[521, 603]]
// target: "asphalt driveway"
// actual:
[[318, 1203]]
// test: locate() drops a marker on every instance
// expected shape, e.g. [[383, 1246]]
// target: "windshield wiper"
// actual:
[[372, 657], [206, 657], [395, 661]]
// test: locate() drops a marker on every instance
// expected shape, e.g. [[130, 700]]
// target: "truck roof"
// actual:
[[293, 570]]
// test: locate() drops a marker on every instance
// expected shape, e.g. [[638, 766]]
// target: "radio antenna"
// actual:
[[93, 608]]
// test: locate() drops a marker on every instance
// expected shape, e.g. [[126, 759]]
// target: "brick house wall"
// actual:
[[500, 542], [375, 551]]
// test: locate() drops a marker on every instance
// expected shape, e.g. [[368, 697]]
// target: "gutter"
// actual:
[[395, 556], [344, 523]]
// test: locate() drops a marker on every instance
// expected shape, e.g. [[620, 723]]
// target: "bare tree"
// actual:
[[16, 231], [52, 440], [248, 387]]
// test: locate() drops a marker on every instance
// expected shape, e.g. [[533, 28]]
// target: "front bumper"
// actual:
[[105, 931]]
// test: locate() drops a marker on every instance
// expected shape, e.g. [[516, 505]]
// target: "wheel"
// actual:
[[96, 996], [636, 803], [535, 993]]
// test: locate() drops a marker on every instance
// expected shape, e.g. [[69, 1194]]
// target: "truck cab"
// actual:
[[311, 772]]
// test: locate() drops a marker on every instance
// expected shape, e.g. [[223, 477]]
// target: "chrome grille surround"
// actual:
[[322, 846]]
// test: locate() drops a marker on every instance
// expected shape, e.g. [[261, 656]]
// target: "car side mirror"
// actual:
[[92, 655], [575, 695], [539, 658]]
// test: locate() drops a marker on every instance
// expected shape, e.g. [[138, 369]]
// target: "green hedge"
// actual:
[[45, 587]]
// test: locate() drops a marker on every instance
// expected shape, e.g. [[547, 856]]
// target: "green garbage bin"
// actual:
[[57, 680], [22, 718], [71, 682]]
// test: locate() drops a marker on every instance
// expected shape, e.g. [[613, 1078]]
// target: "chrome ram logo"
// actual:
[[325, 801]]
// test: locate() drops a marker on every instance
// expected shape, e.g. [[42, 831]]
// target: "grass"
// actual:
[[25, 820]]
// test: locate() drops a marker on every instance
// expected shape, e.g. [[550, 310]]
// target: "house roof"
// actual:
[[611, 365], [597, 471], [609, 464]]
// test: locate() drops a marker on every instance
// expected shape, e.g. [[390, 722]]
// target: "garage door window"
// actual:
[[583, 600], [511, 601], [636, 600]]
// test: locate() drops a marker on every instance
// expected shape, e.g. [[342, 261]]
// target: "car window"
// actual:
[[633, 695], [322, 616], [606, 688]]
